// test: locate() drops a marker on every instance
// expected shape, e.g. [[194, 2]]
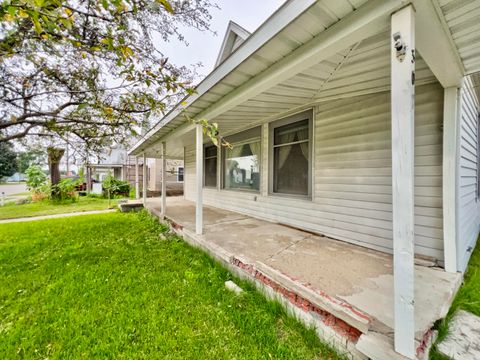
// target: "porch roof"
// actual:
[[310, 51]]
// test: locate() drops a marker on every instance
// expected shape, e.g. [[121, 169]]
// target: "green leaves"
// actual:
[[211, 130], [91, 69], [166, 4]]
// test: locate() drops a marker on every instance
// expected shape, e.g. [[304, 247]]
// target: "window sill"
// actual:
[[248, 191], [291, 196]]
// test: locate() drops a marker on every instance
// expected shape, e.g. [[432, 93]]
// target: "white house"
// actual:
[[356, 119]]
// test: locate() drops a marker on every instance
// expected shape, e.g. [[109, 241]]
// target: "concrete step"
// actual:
[[130, 206], [463, 339]]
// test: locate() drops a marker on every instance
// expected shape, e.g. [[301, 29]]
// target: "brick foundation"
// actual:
[[339, 326]]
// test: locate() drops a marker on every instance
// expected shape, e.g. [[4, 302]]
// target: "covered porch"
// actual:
[[373, 93], [346, 289]]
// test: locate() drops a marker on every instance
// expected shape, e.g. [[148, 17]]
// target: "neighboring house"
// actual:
[[311, 102], [117, 162]]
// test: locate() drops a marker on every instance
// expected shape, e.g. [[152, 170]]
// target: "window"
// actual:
[[180, 174], [210, 164], [242, 161], [291, 155]]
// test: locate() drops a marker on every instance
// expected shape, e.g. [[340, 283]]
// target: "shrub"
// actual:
[[112, 187], [36, 178], [37, 183], [65, 190], [132, 193]]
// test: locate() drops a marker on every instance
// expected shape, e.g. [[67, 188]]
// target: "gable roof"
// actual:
[[234, 37]]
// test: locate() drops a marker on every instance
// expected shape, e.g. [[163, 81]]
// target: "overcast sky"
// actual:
[[204, 46]]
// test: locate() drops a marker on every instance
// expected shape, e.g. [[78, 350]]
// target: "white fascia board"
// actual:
[[434, 42], [273, 25]]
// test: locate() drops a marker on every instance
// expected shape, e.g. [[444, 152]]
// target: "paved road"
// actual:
[[12, 189]]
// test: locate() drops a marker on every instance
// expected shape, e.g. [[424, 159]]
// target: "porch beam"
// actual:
[[435, 44], [451, 125], [164, 179], [403, 110], [137, 180], [144, 179], [199, 180]]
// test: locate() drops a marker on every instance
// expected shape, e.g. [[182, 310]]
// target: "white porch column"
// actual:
[[450, 171], [403, 113], [137, 181], [144, 179], [264, 168], [199, 181], [89, 179], [164, 179]]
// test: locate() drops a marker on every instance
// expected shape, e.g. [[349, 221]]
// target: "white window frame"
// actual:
[[304, 115], [243, 137]]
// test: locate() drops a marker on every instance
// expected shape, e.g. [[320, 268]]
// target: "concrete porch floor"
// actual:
[[353, 282]]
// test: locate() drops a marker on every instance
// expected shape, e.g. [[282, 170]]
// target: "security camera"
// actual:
[[400, 46]]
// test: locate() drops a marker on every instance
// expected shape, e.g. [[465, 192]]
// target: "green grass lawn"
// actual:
[[46, 207], [106, 287], [467, 298]]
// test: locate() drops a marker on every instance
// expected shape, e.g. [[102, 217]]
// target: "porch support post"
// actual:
[[450, 171], [144, 179], [199, 179], [164, 179], [137, 181], [89, 179], [403, 106]]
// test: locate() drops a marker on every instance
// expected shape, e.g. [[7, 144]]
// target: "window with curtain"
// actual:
[[242, 165], [291, 158], [210, 166], [180, 174]]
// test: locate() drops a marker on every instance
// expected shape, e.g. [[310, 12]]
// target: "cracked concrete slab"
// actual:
[[434, 292], [334, 266], [360, 277], [463, 339]]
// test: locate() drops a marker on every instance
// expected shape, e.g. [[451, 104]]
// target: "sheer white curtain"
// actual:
[[303, 135], [255, 148], [284, 151]]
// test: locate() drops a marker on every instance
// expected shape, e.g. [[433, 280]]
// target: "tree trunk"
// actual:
[[54, 157]]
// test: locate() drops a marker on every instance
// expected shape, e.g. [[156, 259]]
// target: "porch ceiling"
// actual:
[[316, 17], [461, 19], [361, 68]]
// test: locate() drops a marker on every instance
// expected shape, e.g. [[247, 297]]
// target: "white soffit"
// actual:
[[463, 20], [293, 25]]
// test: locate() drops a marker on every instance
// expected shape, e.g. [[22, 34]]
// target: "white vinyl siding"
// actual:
[[352, 195], [468, 216]]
